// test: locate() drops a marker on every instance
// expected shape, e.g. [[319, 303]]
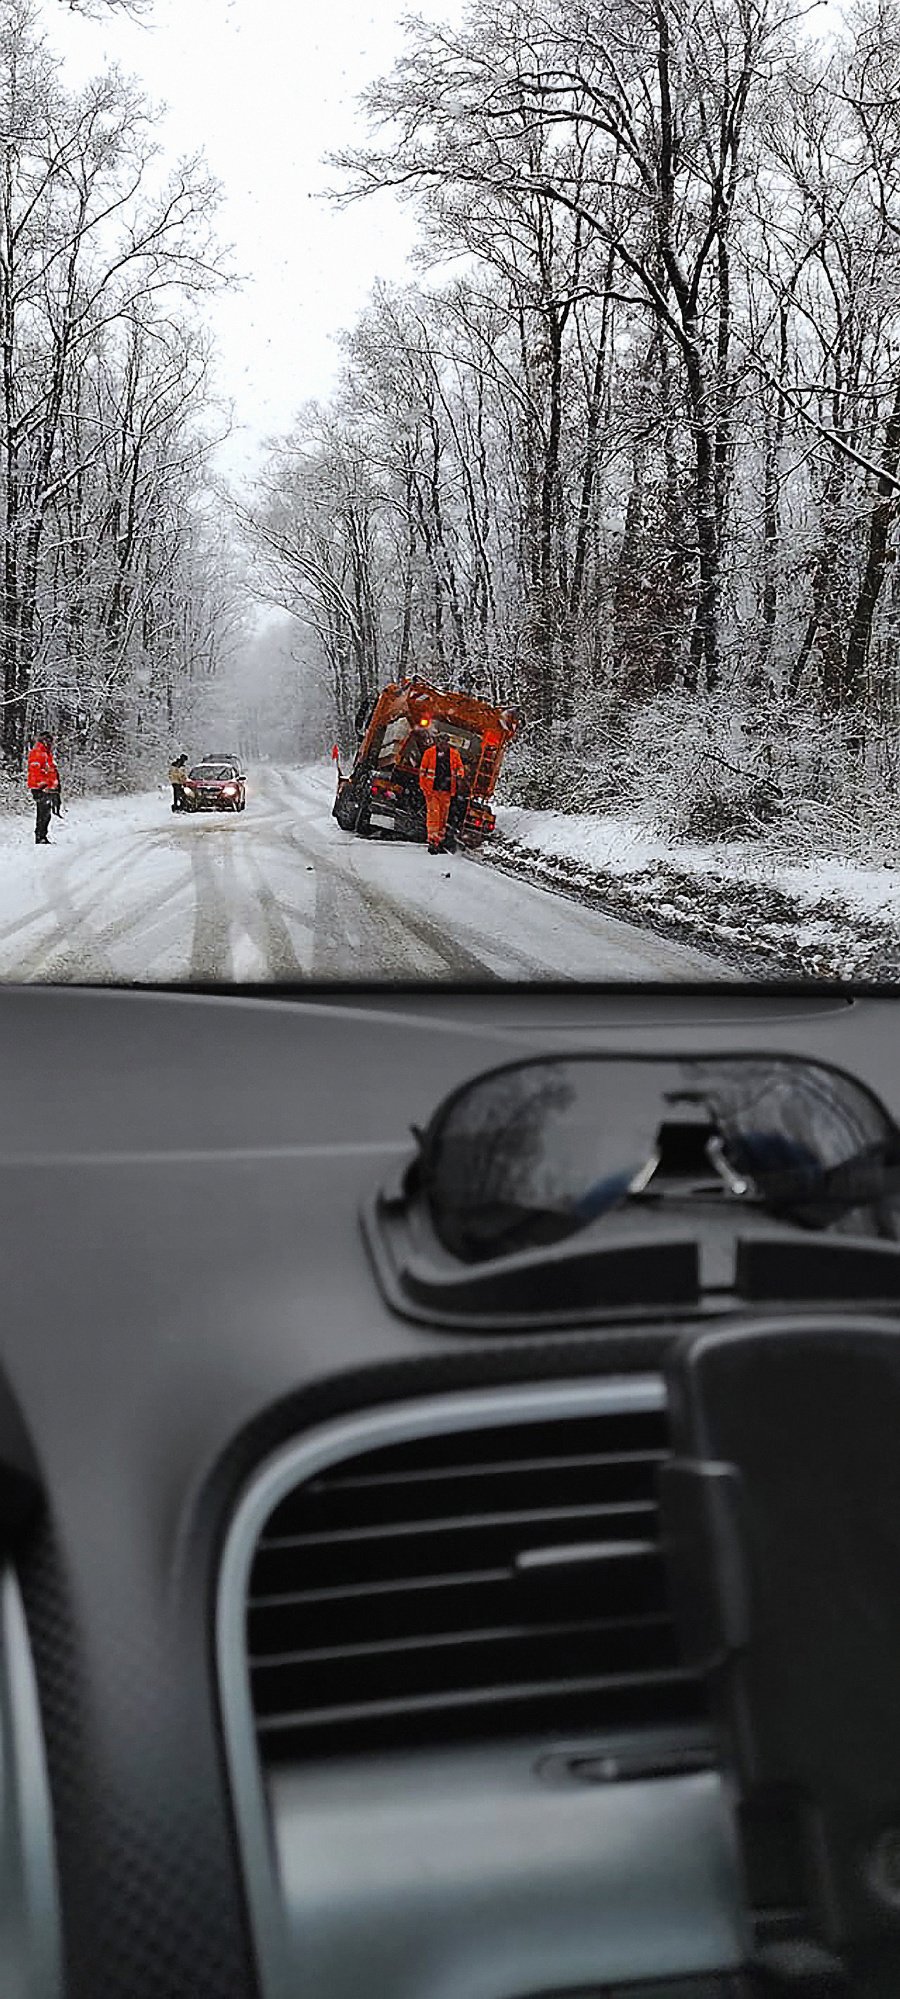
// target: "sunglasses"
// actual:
[[530, 1154]]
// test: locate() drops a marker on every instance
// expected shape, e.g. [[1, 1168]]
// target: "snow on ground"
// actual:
[[825, 918], [620, 846], [110, 898], [128, 891], [446, 913]]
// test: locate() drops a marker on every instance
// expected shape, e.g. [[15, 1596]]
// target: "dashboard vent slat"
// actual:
[[503, 1578], [598, 1705], [458, 1546], [446, 1491]]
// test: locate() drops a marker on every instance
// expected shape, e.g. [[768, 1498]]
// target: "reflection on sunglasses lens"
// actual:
[[529, 1155]]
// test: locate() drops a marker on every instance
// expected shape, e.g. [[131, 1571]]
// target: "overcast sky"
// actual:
[[267, 88]]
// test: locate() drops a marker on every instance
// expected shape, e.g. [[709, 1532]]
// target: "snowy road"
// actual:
[[129, 892]]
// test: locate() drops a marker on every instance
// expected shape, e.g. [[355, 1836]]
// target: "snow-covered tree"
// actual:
[[102, 383]]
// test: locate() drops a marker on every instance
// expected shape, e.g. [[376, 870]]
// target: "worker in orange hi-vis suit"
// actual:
[[442, 775], [43, 784]]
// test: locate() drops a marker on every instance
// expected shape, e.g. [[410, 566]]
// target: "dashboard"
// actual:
[[245, 1750]]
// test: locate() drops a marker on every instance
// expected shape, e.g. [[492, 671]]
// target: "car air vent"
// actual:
[[488, 1581]]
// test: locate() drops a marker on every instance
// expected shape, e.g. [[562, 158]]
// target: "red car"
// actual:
[[214, 787]]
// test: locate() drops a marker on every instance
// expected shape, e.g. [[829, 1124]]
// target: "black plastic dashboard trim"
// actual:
[[151, 1409], [295, 1462], [30, 1931]]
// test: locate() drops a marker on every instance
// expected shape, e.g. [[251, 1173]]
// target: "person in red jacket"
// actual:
[[44, 786], [442, 777]]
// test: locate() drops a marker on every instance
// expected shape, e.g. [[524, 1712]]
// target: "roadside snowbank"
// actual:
[[827, 919]]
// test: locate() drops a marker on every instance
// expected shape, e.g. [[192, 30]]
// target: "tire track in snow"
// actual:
[[450, 953], [64, 868], [280, 950], [79, 943], [390, 939], [211, 946], [381, 931], [77, 954]]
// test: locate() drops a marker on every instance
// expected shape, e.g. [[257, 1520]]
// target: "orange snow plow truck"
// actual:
[[382, 794]]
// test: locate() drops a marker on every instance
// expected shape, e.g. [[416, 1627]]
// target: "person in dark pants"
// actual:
[[44, 786], [177, 775]]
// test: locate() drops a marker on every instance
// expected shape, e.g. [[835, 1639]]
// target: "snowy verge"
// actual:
[[767, 915]]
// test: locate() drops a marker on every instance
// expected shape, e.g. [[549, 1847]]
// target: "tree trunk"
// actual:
[[775, 430], [591, 451], [27, 625], [549, 482], [12, 725], [671, 641], [704, 651], [880, 522], [627, 635], [722, 448], [823, 568], [406, 625]]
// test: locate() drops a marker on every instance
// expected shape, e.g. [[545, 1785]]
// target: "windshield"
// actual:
[[487, 422]]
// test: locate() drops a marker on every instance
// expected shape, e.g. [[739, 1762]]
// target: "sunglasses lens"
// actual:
[[530, 1154], [813, 1144]]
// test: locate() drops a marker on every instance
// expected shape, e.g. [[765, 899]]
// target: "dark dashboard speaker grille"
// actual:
[[502, 1579]]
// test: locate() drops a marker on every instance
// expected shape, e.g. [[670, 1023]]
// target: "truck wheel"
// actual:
[[345, 811], [363, 823]]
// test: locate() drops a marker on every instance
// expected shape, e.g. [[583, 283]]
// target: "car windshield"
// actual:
[[486, 419]]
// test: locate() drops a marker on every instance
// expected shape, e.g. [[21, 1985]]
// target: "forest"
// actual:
[[113, 594], [626, 451]]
